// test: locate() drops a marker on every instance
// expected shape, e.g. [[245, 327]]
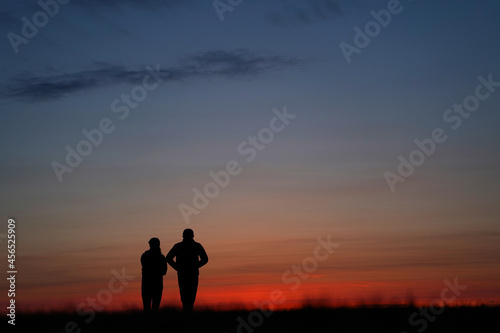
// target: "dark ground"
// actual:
[[480, 319]]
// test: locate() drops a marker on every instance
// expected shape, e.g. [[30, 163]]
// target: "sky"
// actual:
[[355, 146]]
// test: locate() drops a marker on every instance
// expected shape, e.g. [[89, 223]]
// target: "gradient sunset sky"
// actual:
[[322, 175]]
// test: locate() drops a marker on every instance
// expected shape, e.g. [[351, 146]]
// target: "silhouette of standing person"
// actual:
[[154, 266], [189, 257]]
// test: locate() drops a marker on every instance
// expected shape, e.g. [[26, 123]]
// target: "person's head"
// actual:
[[154, 243], [188, 234]]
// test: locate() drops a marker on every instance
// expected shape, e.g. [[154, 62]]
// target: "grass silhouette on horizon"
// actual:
[[383, 319]]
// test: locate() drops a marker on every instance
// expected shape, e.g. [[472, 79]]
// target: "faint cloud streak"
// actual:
[[232, 64]]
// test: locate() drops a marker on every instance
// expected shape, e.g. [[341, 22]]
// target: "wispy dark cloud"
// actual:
[[231, 64], [12, 12], [26, 7], [39, 88], [147, 4], [305, 12]]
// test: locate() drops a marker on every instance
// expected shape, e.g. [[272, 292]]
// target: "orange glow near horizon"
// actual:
[[249, 298], [277, 296]]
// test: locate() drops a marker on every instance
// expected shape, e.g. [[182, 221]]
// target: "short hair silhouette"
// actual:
[[189, 256], [188, 233], [154, 266], [155, 242]]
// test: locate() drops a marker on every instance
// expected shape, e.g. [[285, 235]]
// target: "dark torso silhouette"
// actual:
[[153, 268], [187, 256]]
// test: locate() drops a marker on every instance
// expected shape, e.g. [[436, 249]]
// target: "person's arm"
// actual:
[[164, 267], [203, 257], [170, 258]]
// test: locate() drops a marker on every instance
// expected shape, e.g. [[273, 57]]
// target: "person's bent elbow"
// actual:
[[203, 262]]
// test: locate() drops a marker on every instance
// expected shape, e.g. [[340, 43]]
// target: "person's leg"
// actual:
[[146, 299], [181, 279], [190, 286], [193, 289], [157, 300]]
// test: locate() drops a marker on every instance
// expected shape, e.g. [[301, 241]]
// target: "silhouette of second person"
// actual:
[[189, 257], [154, 267]]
